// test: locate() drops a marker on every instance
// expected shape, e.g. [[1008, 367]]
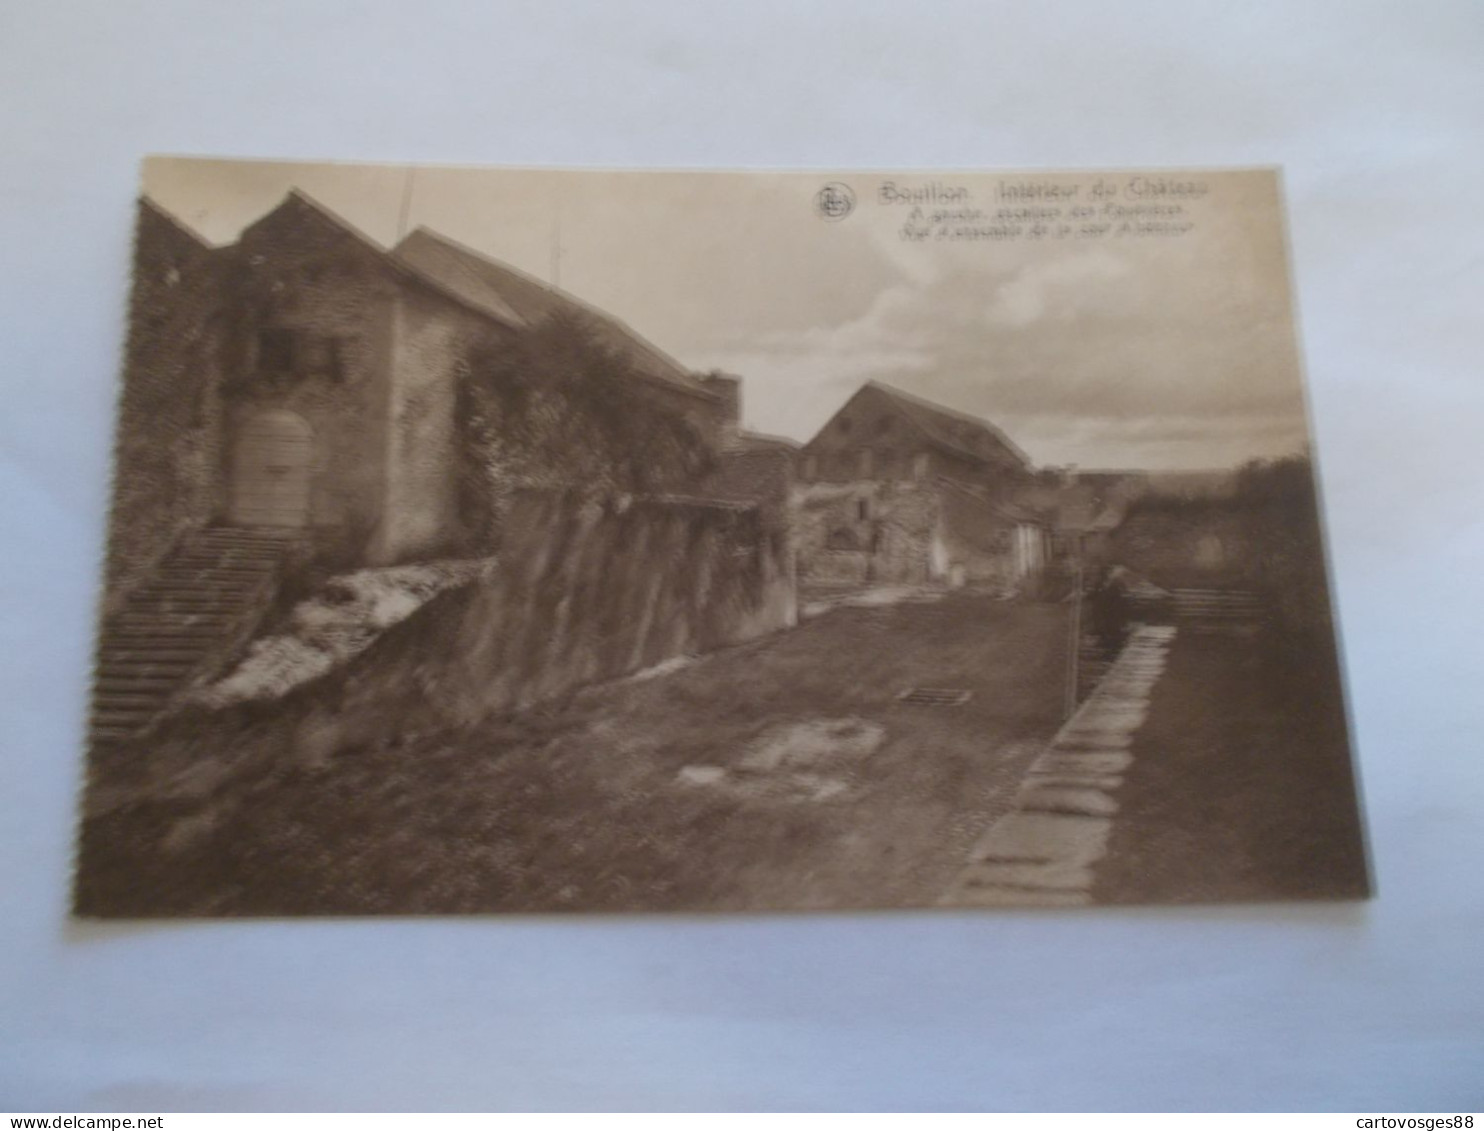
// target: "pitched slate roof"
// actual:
[[507, 292], [499, 291], [949, 429], [300, 203], [762, 442], [169, 218]]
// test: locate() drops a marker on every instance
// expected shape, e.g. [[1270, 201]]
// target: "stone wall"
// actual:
[[888, 533], [377, 357], [585, 590], [166, 446], [1198, 543], [554, 409], [426, 444], [297, 274], [589, 590], [761, 474], [869, 532], [980, 540], [1272, 545]]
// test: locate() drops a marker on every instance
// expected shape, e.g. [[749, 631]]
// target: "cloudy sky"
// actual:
[[1159, 352]]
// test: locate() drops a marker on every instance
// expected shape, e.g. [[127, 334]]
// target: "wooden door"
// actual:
[[272, 462]]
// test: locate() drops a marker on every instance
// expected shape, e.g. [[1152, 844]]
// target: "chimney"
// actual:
[[728, 390]]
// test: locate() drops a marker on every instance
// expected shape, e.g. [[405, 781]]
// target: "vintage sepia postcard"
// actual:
[[491, 540]]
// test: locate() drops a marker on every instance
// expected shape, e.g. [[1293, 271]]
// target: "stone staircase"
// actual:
[[1201, 612], [1236, 611], [199, 603]]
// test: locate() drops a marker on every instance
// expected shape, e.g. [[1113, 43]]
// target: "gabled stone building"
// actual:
[[897, 490], [305, 402], [306, 379]]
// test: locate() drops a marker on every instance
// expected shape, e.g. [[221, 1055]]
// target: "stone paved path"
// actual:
[[1043, 852]]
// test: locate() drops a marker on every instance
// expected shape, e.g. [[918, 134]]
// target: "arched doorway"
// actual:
[[1210, 552], [272, 459]]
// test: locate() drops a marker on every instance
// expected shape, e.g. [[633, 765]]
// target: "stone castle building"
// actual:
[[306, 379], [304, 403], [897, 490]]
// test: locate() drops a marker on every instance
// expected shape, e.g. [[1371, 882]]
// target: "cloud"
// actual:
[[1039, 289], [794, 380], [1086, 358]]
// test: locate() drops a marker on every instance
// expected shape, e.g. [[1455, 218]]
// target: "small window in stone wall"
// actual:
[[319, 356], [275, 351], [842, 538], [845, 425], [284, 352], [863, 510]]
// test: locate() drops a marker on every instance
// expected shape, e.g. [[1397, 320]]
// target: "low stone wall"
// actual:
[[1200, 543], [588, 590], [873, 531], [583, 590]]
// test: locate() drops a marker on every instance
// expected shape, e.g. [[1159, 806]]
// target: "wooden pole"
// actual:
[[1074, 650]]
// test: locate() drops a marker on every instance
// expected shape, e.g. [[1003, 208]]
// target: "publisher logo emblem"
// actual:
[[835, 201]]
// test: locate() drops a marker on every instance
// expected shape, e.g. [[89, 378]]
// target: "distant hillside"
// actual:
[[1208, 484]]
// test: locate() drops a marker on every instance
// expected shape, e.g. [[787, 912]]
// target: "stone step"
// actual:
[[126, 698], [213, 559], [260, 551], [145, 652], [278, 533], [217, 566], [195, 590], [131, 659], [220, 537], [111, 715], [141, 625], [156, 616], [207, 581], [147, 628], [193, 594], [124, 683], [148, 650], [226, 600], [248, 555], [1206, 603], [223, 546], [122, 678], [173, 607], [136, 651], [197, 587], [102, 733], [160, 611], [1217, 606], [1217, 611]]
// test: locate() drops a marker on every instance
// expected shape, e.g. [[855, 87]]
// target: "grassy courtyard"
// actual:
[[784, 773], [1241, 786]]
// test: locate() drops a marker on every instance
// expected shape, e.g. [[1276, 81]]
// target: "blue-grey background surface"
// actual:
[[1376, 110]]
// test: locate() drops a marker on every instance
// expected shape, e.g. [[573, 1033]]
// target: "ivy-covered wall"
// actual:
[[167, 446]]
